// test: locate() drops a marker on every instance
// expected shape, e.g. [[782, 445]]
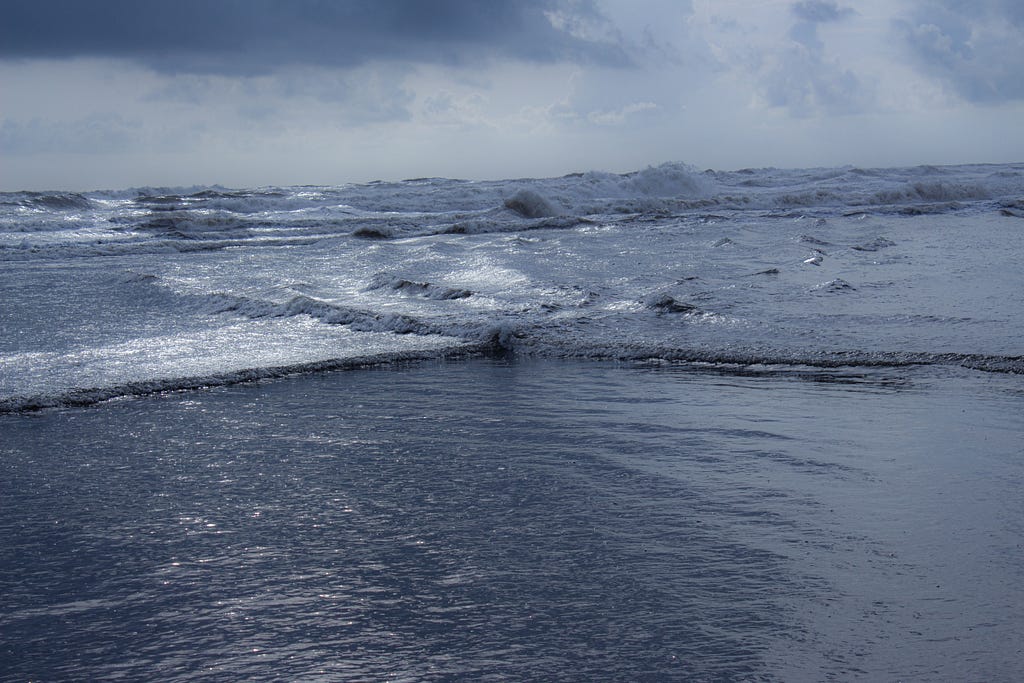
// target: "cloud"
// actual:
[[811, 13], [242, 92], [619, 116], [258, 36], [805, 84], [974, 49], [95, 133], [819, 11], [802, 77], [374, 93]]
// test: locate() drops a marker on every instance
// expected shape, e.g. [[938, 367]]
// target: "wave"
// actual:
[[662, 302], [824, 367], [934, 191], [657, 264], [140, 220], [190, 225], [779, 360], [489, 332], [54, 201], [26, 250], [244, 201], [534, 337], [578, 334], [80, 397], [530, 204], [324, 311], [412, 288], [679, 188]]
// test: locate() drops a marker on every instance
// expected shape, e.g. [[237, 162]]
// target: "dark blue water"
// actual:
[[526, 520]]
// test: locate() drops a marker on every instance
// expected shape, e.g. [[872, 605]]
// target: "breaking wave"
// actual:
[[782, 268], [134, 221], [86, 396], [411, 288], [824, 367]]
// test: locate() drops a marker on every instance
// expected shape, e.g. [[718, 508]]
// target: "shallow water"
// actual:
[[500, 519]]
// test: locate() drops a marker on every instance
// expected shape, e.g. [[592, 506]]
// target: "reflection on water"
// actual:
[[486, 520]]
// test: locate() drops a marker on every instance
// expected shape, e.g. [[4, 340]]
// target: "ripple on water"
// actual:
[[547, 521]]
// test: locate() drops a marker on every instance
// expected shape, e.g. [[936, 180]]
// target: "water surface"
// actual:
[[498, 519]]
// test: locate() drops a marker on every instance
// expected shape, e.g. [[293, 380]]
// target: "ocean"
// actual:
[[756, 425]]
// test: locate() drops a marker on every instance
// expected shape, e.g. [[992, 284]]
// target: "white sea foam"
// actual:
[[668, 262]]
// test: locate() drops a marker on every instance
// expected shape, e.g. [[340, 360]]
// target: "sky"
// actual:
[[109, 94]]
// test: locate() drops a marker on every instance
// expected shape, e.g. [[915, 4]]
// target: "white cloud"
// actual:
[[618, 117], [976, 50]]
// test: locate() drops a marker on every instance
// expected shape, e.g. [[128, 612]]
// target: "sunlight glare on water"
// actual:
[[524, 520]]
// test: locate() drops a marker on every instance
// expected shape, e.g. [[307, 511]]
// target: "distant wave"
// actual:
[[60, 201], [148, 219]]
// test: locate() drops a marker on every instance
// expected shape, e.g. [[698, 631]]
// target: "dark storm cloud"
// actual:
[[256, 36], [976, 48]]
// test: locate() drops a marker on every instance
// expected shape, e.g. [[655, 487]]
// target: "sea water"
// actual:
[[522, 520], [669, 425]]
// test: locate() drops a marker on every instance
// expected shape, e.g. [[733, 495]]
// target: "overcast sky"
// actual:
[[121, 93]]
